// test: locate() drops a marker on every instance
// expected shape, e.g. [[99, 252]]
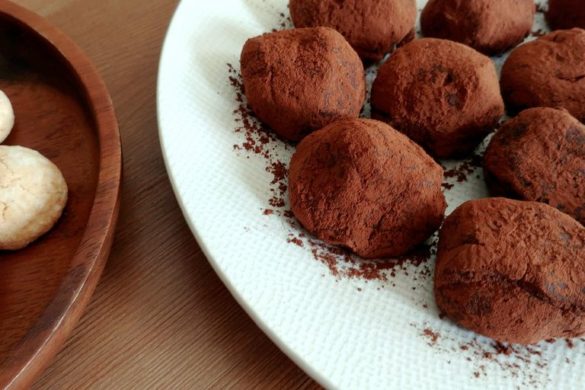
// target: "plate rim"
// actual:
[[34, 352]]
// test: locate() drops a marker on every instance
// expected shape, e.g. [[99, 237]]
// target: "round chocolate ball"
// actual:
[[565, 14], [489, 26], [540, 156], [442, 94], [512, 270], [360, 184], [372, 27], [297, 81], [547, 72]]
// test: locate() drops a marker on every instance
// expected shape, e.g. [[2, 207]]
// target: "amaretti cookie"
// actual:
[[33, 196], [300, 80], [564, 14], [547, 72], [372, 27], [442, 94], [360, 184], [6, 116], [512, 270], [489, 26], [540, 156]]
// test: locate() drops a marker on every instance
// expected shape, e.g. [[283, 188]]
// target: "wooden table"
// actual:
[[160, 317]]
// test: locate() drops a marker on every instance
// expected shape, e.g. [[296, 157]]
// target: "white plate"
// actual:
[[346, 332]]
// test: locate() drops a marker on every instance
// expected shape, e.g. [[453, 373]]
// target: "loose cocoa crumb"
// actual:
[[570, 343], [533, 351], [285, 21], [526, 364], [279, 171], [431, 335], [294, 240], [503, 349], [463, 170], [276, 202], [342, 263]]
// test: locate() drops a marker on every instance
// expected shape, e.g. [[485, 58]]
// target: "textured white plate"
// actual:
[[346, 332]]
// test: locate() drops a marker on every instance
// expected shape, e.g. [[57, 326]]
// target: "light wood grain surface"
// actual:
[[160, 317]]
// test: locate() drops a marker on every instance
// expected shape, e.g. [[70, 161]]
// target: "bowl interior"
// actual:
[[54, 117]]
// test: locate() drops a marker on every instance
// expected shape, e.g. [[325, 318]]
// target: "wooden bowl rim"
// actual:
[[33, 353]]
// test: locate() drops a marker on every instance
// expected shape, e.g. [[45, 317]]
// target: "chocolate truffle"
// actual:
[[563, 14], [547, 72], [360, 184], [372, 27], [540, 156], [490, 26], [442, 94], [297, 81], [513, 271]]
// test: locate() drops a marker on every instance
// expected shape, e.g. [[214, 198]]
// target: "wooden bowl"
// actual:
[[64, 111]]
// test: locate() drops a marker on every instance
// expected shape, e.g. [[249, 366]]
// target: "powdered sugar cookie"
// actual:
[[33, 193], [6, 117]]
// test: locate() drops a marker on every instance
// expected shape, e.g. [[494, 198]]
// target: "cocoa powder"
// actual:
[[547, 72], [361, 184], [295, 100], [443, 95], [511, 270], [489, 26], [372, 27]]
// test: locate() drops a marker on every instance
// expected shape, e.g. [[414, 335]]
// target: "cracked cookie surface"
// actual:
[[33, 194]]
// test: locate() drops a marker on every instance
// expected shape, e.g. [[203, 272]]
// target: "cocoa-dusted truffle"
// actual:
[[360, 184], [563, 14], [540, 156], [547, 72], [442, 94], [300, 80], [372, 27], [490, 26], [513, 271]]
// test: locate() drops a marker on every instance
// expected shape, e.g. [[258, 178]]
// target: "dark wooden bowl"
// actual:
[[64, 111]]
